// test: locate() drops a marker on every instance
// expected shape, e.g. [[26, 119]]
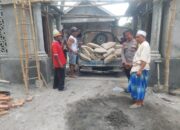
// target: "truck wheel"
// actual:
[[100, 38]]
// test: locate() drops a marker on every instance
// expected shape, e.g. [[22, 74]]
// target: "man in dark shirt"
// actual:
[[128, 52]]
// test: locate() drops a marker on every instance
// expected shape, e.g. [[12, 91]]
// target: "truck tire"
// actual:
[[100, 38]]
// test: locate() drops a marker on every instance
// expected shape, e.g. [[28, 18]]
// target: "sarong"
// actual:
[[137, 85]]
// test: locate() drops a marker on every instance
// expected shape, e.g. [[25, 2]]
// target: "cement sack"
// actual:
[[93, 57], [100, 50], [109, 52], [118, 52], [89, 52], [99, 57], [87, 48], [118, 46], [86, 52], [83, 46], [110, 58], [84, 57], [108, 45], [93, 45]]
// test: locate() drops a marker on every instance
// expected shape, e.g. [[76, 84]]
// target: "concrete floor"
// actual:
[[90, 104]]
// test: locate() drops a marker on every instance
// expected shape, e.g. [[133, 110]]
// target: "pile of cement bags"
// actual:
[[106, 52]]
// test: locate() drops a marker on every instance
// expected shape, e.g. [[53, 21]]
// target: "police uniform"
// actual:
[[128, 52]]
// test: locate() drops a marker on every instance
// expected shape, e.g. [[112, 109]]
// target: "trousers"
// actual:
[[59, 78]]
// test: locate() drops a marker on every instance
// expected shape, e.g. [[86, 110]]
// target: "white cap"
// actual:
[[141, 32]]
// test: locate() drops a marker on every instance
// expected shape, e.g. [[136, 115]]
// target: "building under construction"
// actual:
[[26, 33], [89, 101]]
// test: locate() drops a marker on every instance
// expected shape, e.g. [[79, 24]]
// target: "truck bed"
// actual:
[[99, 63]]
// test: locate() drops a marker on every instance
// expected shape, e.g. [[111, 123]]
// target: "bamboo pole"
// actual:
[[20, 47], [33, 41], [169, 44], [24, 37], [39, 75], [49, 37]]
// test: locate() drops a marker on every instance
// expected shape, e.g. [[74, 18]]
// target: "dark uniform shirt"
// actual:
[[128, 51]]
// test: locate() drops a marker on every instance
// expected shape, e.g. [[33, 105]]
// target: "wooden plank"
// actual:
[[5, 98], [3, 112], [18, 103], [4, 107], [4, 2], [4, 81], [84, 20], [110, 1]]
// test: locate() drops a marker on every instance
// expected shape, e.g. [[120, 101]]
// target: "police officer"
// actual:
[[128, 52]]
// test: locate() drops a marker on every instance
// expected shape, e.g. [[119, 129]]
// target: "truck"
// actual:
[[99, 66]]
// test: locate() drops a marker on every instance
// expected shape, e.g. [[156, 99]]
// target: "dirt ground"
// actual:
[[89, 103]]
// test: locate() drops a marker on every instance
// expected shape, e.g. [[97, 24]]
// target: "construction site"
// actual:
[[96, 98]]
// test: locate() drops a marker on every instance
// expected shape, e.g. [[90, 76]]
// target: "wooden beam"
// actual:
[[111, 1], [90, 16], [89, 20], [3, 2], [88, 5]]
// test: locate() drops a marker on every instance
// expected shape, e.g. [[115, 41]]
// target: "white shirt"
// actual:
[[142, 54], [74, 45]]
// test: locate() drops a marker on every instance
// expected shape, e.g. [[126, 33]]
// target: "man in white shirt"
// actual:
[[140, 69], [73, 50]]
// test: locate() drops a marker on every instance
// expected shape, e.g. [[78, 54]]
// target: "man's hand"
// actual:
[[75, 52], [139, 73], [127, 65], [143, 64], [56, 57], [61, 66]]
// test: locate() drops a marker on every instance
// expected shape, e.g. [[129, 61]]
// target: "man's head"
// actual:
[[140, 36], [75, 31], [57, 35], [128, 35]]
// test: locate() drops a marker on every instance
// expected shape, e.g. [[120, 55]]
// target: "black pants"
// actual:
[[127, 72], [59, 78], [65, 53]]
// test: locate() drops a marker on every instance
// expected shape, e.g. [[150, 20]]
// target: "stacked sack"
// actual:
[[107, 52]]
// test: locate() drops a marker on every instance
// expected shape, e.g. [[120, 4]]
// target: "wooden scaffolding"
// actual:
[[28, 51]]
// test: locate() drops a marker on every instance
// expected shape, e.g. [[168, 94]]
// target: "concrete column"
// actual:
[[58, 22], [156, 27], [39, 28], [135, 24]]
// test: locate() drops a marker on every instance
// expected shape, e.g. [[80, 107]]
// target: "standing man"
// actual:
[[59, 61], [140, 70], [128, 52], [73, 50], [64, 41]]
